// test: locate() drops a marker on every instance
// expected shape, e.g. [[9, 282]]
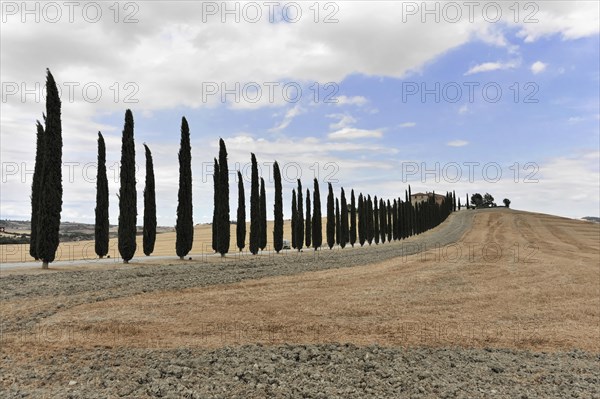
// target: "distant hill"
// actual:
[[69, 231], [592, 219]]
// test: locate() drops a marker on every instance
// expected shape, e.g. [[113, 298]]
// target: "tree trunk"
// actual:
[[101, 256], [125, 261], [222, 255], [181, 258], [44, 264]]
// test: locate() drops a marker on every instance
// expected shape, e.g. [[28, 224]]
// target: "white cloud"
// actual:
[[463, 109], [344, 120], [492, 66], [571, 20], [575, 119], [350, 133], [538, 67], [288, 118], [457, 143], [406, 125], [356, 100]]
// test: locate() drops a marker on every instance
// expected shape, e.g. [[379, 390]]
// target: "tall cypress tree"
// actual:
[[240, 227], [254, 208], [278, 210], [369, 220], [223, 214], [338, 225], [101, 226], [389, 221], [330, 218], [127, 193], [395, 229], [308, 221], [149, 206], [294, 220], [453, 201], [352, 219], [263, 216], [459, 206], [300, 218], [50, 202], [184, 227], [317, 232], [467, 203], [382, 220], [36, 188], [215, 225], [362, 220], [343, 220], [376, 231]]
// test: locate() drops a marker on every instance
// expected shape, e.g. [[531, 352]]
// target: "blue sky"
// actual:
[[371, 140]]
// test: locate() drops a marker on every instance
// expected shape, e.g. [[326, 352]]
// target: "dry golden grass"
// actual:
[[165, 245], [544, 297]]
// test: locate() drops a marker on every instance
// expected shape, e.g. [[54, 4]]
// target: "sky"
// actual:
[[491, 97]]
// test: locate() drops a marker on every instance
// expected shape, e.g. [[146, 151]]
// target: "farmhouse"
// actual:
[[421, 197]]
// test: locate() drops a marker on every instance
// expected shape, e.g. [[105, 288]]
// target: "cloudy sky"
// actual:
[[497, 97]]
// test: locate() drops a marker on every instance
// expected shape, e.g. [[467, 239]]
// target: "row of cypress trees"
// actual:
[[369, 220], [46, 193], [127, 229]]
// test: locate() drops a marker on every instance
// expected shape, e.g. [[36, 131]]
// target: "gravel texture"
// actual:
[[319, 371]]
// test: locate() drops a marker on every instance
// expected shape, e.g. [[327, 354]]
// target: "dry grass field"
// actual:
[[165, 245], [514, 280]]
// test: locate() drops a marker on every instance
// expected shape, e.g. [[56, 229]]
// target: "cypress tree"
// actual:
[[352, 219], [149, 237], [376, 229], [50, 201], [338, 224], [215, 225], [294, 220], [278, 210], [395, 234], [240, 227], [36, 188], [389, 225], [382, 220], [317, 232], [254, 208], [184, 226], [223, 213], [263, 216], [101, 226], [369, 220], [362, 219], [330, 218], [467, 203], [453, 201], [459, 204], [308, 221], [343, 220], [127, 193], [300, 218]]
